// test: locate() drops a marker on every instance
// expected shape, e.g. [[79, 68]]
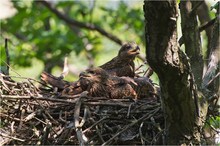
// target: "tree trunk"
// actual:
[[211, 78], [203, 15], [174, 72], [191, 37]]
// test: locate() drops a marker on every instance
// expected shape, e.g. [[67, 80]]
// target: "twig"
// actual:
[[11, 68], [129, 109], [206, 25], [48, 114], [60, 117], [11, 137], [76, 112], [213, 79], [3, 82], [143, 139], [147, 116], [195, 7], [46, 132], [26, 78], [21, 119], [7, 56], [104, 103], [34, 97], [149, 72], [78, 126], [65, 69], [99, 133], [40, 121], [96, 123], [12, 118], [12, 128], [140, 66], [84, 117], [30, 116]]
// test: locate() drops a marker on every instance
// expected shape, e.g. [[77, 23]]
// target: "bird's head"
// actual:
[[130, 50], [94, 75]]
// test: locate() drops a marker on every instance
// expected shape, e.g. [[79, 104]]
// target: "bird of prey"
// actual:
[[123, 63], [143, 87], [54, 81], [72, 88], [99, 83], [67, 88]]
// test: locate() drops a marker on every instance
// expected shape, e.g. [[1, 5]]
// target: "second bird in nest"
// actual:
[[100, 84]]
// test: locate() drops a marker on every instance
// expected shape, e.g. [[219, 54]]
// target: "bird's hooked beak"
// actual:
[[135, 51]]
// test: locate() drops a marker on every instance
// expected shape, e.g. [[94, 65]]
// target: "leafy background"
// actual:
[[39, 40]]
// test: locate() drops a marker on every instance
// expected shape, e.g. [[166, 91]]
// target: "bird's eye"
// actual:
[[91, 72], [128, 47]]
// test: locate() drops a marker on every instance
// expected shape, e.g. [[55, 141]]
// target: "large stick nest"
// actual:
[[33, 116]]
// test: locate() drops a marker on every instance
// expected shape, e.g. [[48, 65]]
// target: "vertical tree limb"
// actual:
[[174, 71], [191, 37], [214, 62], [203, 15]]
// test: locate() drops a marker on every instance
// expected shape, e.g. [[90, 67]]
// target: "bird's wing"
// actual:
[[110, 64]]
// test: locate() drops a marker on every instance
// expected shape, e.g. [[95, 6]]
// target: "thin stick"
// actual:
[[96, 123], [7, 56], [196, 6], [11, 137], [147, 116], [7, 97]]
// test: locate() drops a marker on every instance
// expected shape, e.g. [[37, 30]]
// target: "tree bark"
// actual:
[[174, 72], [191, 37], [211, 78], [203, 15]]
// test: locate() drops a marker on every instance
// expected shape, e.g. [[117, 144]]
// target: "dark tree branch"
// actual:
[[195, 7], [80, 24], [191, 37], [204, 26], [7, 56], [207, 25], [214, 63]]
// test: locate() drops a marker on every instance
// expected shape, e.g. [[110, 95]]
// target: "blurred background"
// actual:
[[88, 32]]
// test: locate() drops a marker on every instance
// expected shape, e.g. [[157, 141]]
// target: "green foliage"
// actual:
[[216, 6], [215, 122], [36, 32]]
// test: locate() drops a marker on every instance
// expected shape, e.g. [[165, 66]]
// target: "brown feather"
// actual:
[[123, 63]]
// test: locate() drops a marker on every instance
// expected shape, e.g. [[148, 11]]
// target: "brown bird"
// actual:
[[99, 83], [73, 88], [54, 81], [67, 88], [143, 87], [123, 63]]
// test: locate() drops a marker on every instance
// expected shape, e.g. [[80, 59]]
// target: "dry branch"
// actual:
[[76, 120]]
